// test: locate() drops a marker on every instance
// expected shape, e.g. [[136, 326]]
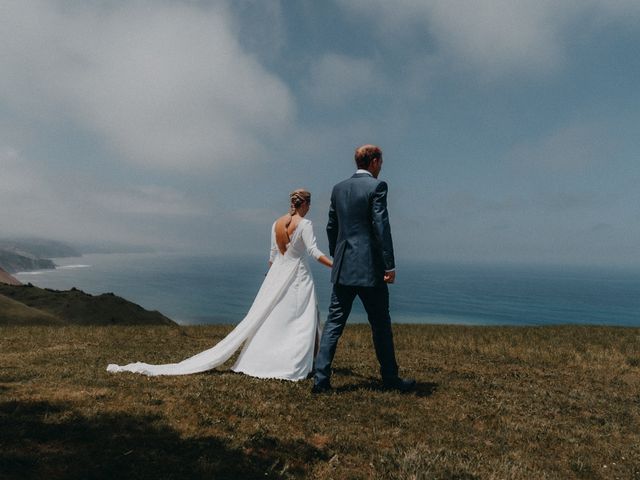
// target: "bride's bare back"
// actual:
[[285, 226]]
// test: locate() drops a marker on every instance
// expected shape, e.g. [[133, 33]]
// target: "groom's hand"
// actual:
[[390, 277]]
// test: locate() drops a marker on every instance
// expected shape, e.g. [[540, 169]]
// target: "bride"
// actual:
[[280, 330]]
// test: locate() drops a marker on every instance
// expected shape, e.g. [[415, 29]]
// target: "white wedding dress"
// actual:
[[279, 331]]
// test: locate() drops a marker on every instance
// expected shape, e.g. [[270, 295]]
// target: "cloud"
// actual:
[[38, 201], [260, 26], [335, 79], [493, 37], [463, 204], [483, 206], [601, 227], [255, 216], [572, 201], [573, 147], [146, 200], [16, 183], [162, 85], [30, 204]]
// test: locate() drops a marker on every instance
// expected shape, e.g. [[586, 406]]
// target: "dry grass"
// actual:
[[512, 403]]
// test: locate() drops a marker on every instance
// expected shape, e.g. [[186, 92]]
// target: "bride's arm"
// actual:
[[309, 239], [325, 261], [274, 247]]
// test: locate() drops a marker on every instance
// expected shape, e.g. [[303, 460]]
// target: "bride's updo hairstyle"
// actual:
[[297, 198]]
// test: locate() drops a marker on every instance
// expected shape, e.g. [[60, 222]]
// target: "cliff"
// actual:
[[39, 248], [13, 262], [25, 254], [8, 279], [30, 305]]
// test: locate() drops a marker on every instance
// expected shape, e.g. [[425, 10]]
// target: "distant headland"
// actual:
[[31, 305], [32, 253], [26, 255]]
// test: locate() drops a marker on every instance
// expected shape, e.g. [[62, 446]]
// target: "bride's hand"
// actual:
[[326, 261]]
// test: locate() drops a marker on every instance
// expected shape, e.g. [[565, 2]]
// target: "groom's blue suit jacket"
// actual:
[[359, 232]]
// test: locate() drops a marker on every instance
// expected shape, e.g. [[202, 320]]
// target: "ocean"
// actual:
[[213, 289]]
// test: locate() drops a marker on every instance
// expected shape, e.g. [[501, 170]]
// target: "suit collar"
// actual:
[[361, 174]]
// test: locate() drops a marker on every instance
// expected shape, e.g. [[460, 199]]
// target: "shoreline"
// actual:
[[196, 289]]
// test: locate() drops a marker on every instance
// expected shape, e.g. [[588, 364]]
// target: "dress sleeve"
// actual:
[[274, 248], [309, 239]]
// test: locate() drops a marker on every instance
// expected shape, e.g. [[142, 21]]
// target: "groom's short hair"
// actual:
[[366, 154]]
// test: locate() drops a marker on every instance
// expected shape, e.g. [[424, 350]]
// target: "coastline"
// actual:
[[199, 289]]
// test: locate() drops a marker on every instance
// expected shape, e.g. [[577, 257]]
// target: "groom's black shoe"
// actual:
[[321, 388], [401, 384]]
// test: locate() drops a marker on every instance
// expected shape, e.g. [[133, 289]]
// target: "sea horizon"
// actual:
[[214, 289]]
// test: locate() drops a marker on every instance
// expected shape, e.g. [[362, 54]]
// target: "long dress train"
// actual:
[[279, 331]]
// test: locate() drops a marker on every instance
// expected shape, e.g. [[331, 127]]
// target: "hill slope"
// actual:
[[8, 279], [16, 313], [75, 307]]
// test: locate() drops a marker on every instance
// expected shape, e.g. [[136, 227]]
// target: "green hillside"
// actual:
[[16, 313], [72, 307]]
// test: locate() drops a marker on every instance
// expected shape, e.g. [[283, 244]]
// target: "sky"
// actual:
[[510, 128]]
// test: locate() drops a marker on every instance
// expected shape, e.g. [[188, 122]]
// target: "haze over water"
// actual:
[[209, 289]]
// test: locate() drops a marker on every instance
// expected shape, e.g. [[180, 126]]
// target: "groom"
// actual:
[[363, 264]]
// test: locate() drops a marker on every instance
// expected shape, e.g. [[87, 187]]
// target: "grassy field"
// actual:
[[492, 402]]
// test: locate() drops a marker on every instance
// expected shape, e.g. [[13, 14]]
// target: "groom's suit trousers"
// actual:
[[376, 303]]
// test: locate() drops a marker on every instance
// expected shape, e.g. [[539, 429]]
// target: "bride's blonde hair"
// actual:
[[297, 198]]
